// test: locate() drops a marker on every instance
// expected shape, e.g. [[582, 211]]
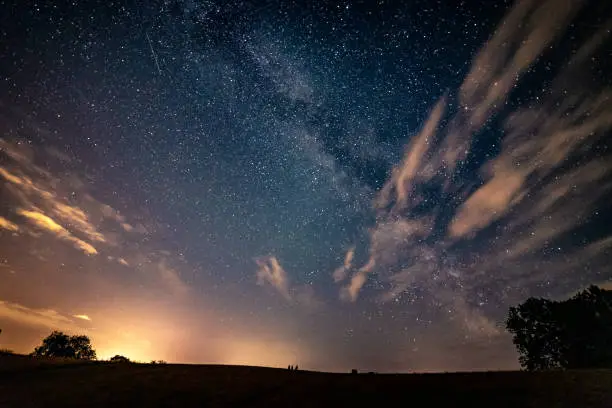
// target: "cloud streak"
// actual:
[[60, 205], [36, 189], [341, 272], [8, 225], [46, 223], [540, 186], [47, 318], [270, 272]]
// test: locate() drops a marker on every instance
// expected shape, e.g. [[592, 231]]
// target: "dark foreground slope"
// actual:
[[27, 383]]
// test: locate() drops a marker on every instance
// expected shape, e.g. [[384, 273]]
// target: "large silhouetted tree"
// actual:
[[575, 333], [58, 344]]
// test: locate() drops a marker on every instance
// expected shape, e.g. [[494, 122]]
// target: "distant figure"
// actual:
[[289, 367], [296, 367]]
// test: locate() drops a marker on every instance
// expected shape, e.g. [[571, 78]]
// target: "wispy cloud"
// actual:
[[29, 186], [47, 223], [270, 272], [540, 186], [34, 198], [8, 176], [82, 317], [77, 218], [407, 173], [112, 214], [390, 242], [518, 41], [47, 318], [53, 202], [8, 225], [341, 272]]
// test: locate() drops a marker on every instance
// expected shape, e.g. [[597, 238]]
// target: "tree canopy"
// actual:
[[59, 344], [119, 359], [574, 333]]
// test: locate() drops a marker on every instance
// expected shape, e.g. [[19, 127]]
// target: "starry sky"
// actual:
[[331, 184]]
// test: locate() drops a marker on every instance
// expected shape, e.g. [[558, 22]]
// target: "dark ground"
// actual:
[[26, 382]]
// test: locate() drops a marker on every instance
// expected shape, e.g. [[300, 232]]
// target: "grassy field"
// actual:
[[28, 382]]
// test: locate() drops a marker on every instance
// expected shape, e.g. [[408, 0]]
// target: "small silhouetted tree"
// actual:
[[119, 359], [59, 344], [575, 333]]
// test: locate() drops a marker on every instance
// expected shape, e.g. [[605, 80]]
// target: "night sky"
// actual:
[[331, 184]]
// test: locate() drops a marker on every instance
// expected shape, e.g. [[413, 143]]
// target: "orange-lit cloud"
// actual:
[[18, 152], [404, 175], [77, 218], [488, 203], [25, 185], [8, 225], [110, 212], [47, 223], [31, 186], [341, 272], [271, 272], [91, 226], [351, 291], [47, 318], [57, 205], [518, 41], [11, 177], [538, 138], [557, 132]]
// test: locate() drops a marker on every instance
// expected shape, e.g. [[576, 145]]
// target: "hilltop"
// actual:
[[28, 382]]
